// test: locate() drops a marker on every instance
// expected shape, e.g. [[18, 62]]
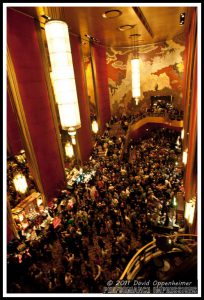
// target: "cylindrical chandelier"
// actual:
[[20, 183], [62, 75], [135, 67]]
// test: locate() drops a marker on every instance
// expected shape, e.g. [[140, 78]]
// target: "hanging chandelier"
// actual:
[[62, 75], [135, 68]]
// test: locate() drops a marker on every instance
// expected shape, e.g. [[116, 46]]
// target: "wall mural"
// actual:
[[161, 67]]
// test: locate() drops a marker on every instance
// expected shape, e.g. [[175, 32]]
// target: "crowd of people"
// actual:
[[110, 218], [161, 107]]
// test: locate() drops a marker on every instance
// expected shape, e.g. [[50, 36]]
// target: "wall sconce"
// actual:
[[190, 210], [185, 156], [182, 134], [62, 75], [20, 183], [69, 150], [94, 126]]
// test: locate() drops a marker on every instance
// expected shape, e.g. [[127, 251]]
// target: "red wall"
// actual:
[[84, 133], [13, 135], [25, 53], [101, 78]]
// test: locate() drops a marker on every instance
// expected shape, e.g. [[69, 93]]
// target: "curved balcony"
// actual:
[[184, 243], [161, 119], [139, 124]]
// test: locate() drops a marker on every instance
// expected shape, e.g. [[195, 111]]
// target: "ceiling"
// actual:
[[152, 24]]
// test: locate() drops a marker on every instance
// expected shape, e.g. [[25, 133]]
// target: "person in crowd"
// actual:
[[112, 215]]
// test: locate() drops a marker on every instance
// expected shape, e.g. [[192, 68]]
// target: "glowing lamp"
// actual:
[[69, 150], [94, 126], [185, 157], [182, 134], [20, 183], [20, 217], [135, 67], [72, 133], [39, 201], [62, 75], [190, 210], [174, 201]]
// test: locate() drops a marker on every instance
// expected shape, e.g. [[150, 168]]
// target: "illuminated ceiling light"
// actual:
[[62, 74], [20, 183], [94, 126], [182, 19], [185, 157], [125, 27], [69, 150], [110, 14]]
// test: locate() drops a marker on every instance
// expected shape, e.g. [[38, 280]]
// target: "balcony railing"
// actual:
[[150, 251]]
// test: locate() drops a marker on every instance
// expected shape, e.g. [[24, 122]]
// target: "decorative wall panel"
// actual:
[[161, 67]]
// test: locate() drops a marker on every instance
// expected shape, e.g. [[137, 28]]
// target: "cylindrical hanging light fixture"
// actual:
[[20, 183], [62, 75], [135, 67]]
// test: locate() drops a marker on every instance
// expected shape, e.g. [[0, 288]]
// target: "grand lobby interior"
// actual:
[[102, 141]]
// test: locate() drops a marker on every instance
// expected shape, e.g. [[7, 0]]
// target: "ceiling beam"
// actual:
[[142, 18]]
